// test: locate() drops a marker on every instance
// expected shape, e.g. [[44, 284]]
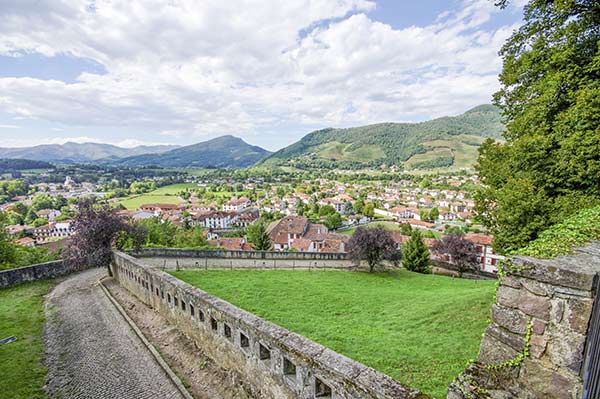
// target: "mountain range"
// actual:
[[79, 152], [443, 142]]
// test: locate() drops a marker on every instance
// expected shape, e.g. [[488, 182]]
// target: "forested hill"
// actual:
[[221, 152], [442, 142]]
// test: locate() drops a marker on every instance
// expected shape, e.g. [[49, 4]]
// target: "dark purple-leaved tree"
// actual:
[[97, 228], [462, 252], [373, 245]]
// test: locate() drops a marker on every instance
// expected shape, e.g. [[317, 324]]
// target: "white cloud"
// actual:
[[185, 68]]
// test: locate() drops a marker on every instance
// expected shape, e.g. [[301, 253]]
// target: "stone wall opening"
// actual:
[[213, 324], [244, 341], [322, 390], [227, 331], [263, 352], [289, 368]]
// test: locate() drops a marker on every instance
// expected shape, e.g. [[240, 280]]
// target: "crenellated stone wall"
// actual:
[[534, 347], [274, 362]]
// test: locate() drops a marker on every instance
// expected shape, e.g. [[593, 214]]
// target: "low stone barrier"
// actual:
[[171, 258], [535, 345], [11, 277], [273, 361]]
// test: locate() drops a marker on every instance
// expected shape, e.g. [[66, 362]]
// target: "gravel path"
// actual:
[[92, 352]]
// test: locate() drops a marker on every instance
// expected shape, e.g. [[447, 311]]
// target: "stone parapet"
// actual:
[[542, 312]]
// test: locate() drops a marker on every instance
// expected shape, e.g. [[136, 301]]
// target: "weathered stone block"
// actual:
[[538, 327], [557, 311], [510, 281], [566, 350], [545, 383], [534, 305], [508, 296], [537, 346], [492, 350], [578, 313], [536, 287], [511, 319], [515, 341]]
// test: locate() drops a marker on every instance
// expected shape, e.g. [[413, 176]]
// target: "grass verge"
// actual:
[[22, 314], [419, 329]]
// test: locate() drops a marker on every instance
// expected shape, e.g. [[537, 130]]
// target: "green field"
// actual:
[[22, 315], [463, 148], [135, 201], [341, 151], [173, 189], [419, 329]]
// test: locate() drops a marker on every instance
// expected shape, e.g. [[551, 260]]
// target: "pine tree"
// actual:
[[258, 237], [415, 254]]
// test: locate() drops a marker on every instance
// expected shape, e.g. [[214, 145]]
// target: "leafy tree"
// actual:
[[548, 167], [463, 253], [405, 229], [373, 245], [333, 221], [369, 210], [326, 210], [358, 205], [258, 237], [415, 253], [434, 214], [41, 201], [423, 214], [97, 228]]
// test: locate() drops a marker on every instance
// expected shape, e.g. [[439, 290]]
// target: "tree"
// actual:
[[415, 253], [550, 101], [423, 214], [434, 214], [96, 229], [373, 245], [369, 210], [333, 221], [463, 253], [326, 210], [359, 205], [258, 237], [405, 229]]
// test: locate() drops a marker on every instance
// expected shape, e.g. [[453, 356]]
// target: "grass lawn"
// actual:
[[135, 201], [22, 314], [386, 225], [173, 189], [419, 329]]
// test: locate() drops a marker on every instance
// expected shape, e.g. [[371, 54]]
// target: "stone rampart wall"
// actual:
[[542, 311], [273, 361], [20, 275], [169, 258]]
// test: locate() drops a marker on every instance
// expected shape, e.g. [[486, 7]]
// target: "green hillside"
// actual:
[[443, 142], [222, 152]]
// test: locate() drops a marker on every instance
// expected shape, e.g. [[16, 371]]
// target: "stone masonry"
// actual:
[[553, 299]]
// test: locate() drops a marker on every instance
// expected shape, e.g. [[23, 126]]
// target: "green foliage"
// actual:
[[388, 143], [22, 315], [550, 98], [369, 210], [400, 323], [434, 214], [258, 237], [561, 238], [326, 210], [415, 254], [11, 188], [333, 221]]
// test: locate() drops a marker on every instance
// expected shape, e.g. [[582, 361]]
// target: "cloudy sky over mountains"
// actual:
[[182, 71]]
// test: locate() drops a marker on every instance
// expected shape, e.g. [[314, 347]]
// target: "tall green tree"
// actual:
[[258, 237], [415, 254], [549, 166]]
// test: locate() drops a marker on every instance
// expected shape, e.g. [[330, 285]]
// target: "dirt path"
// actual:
[[92, 352]]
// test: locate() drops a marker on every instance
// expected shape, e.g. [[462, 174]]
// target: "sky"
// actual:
[[179, 72]]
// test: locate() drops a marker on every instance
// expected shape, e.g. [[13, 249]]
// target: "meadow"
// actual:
[[22, 315], [419, 329]]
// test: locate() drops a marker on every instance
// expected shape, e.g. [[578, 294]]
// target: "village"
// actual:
[[304, 216]]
